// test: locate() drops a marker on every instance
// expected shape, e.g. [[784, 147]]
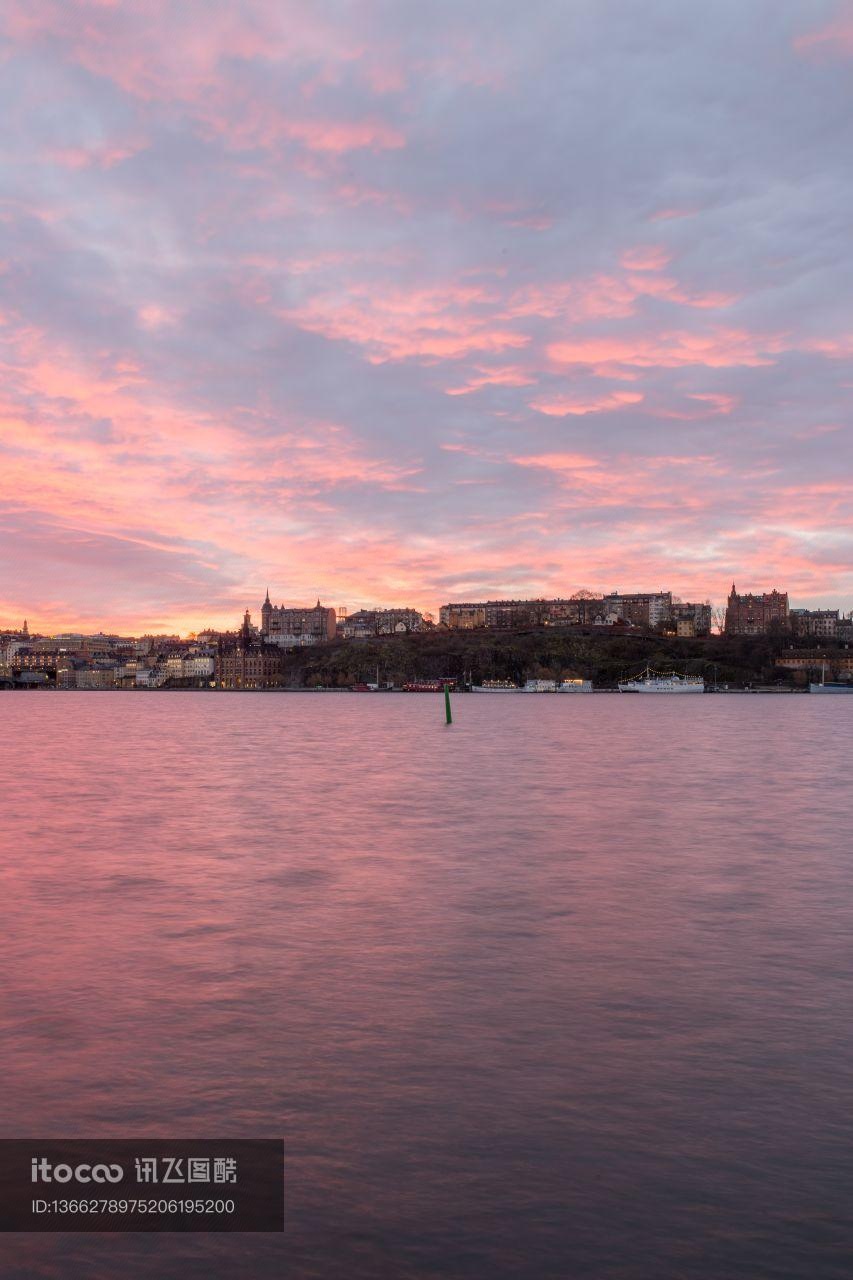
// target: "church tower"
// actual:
[[266, 615]]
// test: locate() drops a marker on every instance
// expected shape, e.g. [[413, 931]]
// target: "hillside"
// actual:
[[520, 655]]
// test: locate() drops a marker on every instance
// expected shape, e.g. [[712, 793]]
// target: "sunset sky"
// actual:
[[399, 303]]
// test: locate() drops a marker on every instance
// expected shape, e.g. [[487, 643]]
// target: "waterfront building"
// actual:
[[189, 667], [153, 677], [100, 677], [31, 658], [288, 627], [836, 663], [754, 615], [248, 661], [125, 674]]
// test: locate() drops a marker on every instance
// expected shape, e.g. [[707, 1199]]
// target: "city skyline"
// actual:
[[260, 616], [399, 307]]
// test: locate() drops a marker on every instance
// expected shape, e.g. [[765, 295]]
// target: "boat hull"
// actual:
[[636, 686], [478, 688]]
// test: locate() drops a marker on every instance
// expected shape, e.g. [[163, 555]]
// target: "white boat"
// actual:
[[496, 686], [507, 686], [649, 681], [533, 686], [834, 686]]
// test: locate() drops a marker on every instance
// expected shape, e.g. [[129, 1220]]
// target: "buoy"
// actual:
[[449, 717]]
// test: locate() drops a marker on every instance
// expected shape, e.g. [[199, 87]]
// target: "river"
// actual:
[[561, 990]]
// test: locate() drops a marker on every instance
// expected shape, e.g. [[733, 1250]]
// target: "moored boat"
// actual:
[[649, 681], [533, 686], [428, 686], [496, 686], [830, 686]]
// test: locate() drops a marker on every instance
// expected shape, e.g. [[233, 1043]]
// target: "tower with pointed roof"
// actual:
[[752, 615], [282, 624]]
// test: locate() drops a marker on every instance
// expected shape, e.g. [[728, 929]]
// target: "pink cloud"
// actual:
[[607, 296], [834, 40], [154, 316], [593, 297], [840, 348], [561, 406], [100, 156], [655, 286], [250, 123], [532, 222], [442, 322], [719, 348], [667, 215], [717, 404], [498, 376], [645, 258], [194, 69]]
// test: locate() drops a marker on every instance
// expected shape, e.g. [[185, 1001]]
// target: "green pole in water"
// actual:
[[449, 717]]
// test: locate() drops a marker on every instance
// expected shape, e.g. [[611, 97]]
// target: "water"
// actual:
[[564, 990]]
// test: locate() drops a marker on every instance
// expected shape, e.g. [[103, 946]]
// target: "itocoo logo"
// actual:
[[44, 1171]]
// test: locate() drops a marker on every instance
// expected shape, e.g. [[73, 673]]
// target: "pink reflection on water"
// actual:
[[476, 977]]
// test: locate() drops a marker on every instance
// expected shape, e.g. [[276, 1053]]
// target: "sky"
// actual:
[[398, 302]]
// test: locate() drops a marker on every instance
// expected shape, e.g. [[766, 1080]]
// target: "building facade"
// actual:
[[833, 664], [249, 661], [755, 615], [691, 619], [510, 614], [290, 627], [814, 622], [462, 617], [646, 609], [380, 622]]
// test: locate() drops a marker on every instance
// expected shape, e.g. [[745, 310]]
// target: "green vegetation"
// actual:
[[548, 652]]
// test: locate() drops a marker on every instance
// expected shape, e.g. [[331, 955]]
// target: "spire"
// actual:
[[267, 600]]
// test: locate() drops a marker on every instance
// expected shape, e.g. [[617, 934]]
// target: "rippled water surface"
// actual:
[[564, 990]]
